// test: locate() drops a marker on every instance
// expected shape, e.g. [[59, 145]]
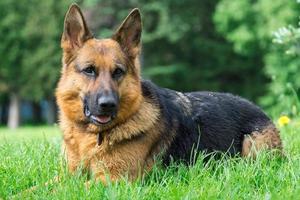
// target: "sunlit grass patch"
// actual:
[[29, 133]]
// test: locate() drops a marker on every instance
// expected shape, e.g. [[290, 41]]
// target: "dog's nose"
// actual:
[[107, 102]]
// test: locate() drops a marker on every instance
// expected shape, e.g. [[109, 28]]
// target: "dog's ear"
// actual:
[[128, 35], [76, 31]]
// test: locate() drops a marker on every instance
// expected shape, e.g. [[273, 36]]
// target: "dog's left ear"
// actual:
[[129, 33]]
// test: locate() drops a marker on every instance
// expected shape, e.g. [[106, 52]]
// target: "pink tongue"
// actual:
[[103, 119]]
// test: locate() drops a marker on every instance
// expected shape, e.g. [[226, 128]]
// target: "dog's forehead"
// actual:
[[101, 52]]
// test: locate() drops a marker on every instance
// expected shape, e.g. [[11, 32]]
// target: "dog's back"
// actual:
[[210, 122]]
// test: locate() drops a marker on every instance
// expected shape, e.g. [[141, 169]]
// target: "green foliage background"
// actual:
[[220, 45], [30, 47], [255, 29]]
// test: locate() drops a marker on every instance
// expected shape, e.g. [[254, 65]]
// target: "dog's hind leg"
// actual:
[[268, 138]]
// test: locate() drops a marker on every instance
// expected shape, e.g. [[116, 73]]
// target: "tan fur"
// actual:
[[118, 154], [129, 141], [268, 138]]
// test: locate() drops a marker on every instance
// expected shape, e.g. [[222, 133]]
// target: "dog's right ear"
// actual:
[[76, 31]]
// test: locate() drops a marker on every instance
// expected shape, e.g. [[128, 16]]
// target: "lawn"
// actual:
[[30, 156]]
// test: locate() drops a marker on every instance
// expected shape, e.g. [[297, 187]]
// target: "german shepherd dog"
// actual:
[[115, 123]]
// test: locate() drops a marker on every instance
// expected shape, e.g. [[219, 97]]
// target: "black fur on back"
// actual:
[[204, 121]]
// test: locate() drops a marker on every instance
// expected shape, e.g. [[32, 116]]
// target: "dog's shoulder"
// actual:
[[173, 105]]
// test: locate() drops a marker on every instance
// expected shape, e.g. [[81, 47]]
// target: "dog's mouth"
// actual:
[[100, 119]]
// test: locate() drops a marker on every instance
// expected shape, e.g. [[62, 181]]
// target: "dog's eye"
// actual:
[[90, 70], [118, 73]]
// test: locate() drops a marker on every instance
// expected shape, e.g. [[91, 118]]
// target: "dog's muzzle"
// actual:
[[101, 110]]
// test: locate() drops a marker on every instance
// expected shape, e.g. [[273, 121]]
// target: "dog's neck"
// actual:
[[139, 123]]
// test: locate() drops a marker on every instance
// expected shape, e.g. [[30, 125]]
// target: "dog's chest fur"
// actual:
[[128, 147]]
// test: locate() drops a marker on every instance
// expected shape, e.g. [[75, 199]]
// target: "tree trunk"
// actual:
[[51, 112], [14, 111]]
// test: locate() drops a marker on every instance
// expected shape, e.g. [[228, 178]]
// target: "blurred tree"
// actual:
[[29, 51], [221, 45], [249, 26], [283, 66]]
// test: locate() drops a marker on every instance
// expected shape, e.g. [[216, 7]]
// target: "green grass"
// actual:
[[29, 133], [30, 156]]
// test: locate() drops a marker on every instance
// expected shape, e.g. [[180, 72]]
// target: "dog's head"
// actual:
[[100, 82]]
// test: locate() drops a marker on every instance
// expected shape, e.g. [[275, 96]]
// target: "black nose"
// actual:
[[107, 102]]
